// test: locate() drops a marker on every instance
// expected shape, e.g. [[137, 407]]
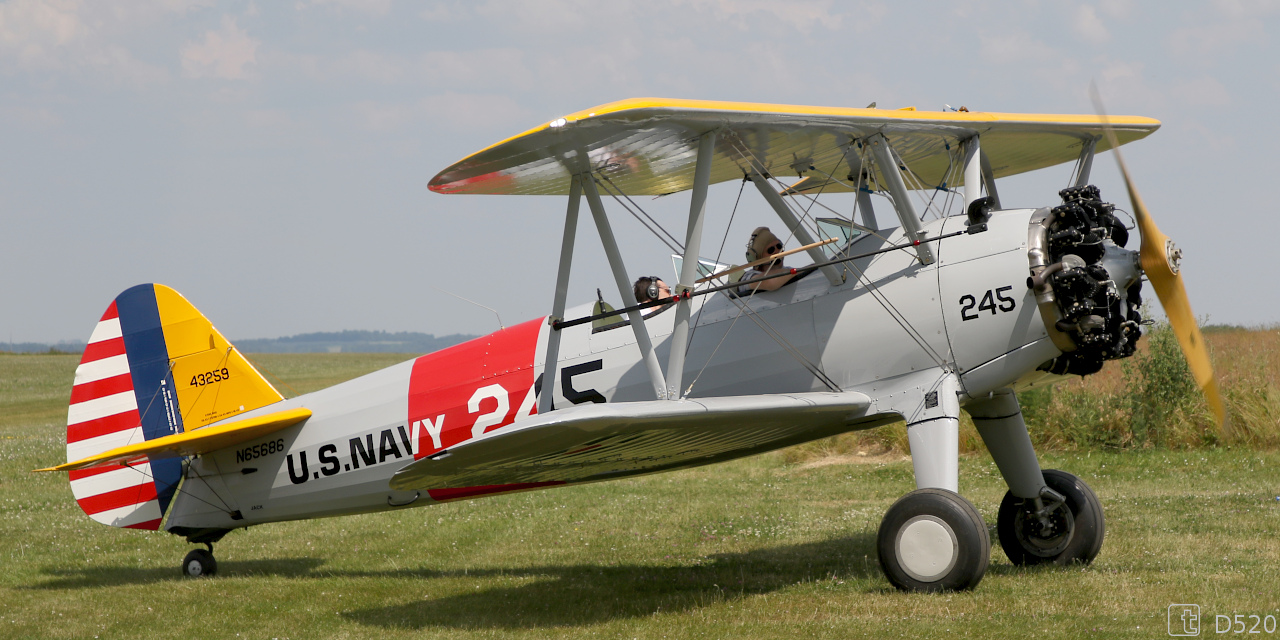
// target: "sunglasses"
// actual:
[[774, 249]]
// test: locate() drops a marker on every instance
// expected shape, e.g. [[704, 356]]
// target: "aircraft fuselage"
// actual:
[[970, 312]]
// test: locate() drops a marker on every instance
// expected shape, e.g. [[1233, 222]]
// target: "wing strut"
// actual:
[[624, 286], [689, 268], [547, 398], [859, 176], [972, 170], [793, 224], [1085, 163], [989, 180], [901, 199]]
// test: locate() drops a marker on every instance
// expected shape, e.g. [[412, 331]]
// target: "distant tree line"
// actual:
[[353, 342], [324, 342]]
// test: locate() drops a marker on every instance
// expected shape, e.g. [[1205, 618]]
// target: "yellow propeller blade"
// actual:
[[1160, 260]]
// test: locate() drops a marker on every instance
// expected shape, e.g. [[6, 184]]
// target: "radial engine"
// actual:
[[1087, 285]]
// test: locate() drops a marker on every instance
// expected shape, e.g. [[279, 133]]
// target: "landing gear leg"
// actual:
[[933, 539], [1047, 516], [200, 563]]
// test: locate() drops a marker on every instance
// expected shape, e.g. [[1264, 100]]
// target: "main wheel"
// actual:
[[933, 540], [199, 563], [1069, 532]]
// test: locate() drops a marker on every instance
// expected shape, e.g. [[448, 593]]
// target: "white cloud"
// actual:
[[1088, 26], [33, 31], [71, 36], [222, 54]]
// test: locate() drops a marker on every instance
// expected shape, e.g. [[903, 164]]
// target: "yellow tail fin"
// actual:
[[213, 380]]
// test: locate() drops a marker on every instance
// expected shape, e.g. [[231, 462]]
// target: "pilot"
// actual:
[[763, 243], [651, 288]]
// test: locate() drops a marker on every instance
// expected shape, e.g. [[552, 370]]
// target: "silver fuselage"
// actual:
[[893, 318]]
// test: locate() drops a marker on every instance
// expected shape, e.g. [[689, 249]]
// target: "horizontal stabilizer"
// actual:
[[601, 441], [190, 443]]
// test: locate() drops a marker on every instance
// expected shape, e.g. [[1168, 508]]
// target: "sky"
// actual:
[[270, 160]]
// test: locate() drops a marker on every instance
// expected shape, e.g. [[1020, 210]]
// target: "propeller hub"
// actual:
[[1173, 255]]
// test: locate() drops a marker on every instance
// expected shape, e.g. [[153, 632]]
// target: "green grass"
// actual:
[[756, 548]]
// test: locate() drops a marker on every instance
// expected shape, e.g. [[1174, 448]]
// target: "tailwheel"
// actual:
[[933, 540], [1064, 526], [199, 563]]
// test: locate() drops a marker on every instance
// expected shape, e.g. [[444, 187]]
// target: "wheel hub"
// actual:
[[927, 548], [1045, 534]]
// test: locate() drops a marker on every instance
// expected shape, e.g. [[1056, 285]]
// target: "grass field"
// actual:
[[781, 545]]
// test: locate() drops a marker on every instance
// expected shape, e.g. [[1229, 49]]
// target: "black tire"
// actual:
[[198, 564], [909, 535], [1076, 533]]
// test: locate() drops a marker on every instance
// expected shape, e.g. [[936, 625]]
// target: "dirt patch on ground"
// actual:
[[861, 457]]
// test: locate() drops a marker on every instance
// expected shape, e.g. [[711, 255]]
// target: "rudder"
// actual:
[[154, 366]]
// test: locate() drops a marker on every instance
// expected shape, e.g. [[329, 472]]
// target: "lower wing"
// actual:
[[594, 442]]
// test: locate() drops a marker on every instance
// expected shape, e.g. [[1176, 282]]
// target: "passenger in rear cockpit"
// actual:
[[762, 244], [649, 288]]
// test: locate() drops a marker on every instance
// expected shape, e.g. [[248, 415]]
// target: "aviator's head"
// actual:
[[762, 243]]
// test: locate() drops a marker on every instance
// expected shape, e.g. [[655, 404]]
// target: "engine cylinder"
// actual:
[[1087, 285]]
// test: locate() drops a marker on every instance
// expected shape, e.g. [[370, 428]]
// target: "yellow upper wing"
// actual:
[[648, 146]]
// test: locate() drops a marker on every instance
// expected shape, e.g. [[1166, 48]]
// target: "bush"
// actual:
[[1164, 405], [1149, 400]]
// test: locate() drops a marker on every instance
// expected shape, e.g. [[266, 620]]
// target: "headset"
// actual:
[[751, 250], [652, 290]]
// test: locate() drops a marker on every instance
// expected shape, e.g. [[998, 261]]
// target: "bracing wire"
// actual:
[[760, 322], [888, 306], [744, 308], [167, 485], [615, 192], [782, 341], [719, 253], [804, 216], [899, 318]]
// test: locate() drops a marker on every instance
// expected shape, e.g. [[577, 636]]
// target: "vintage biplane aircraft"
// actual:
[[171, 428]]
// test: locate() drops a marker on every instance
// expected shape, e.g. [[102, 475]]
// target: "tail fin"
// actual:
[[154, 366]]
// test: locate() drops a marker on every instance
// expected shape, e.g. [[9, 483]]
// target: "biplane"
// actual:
[[957, 308]]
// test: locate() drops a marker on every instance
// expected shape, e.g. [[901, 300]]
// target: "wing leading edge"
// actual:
[[648, 146], [595, 442]]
